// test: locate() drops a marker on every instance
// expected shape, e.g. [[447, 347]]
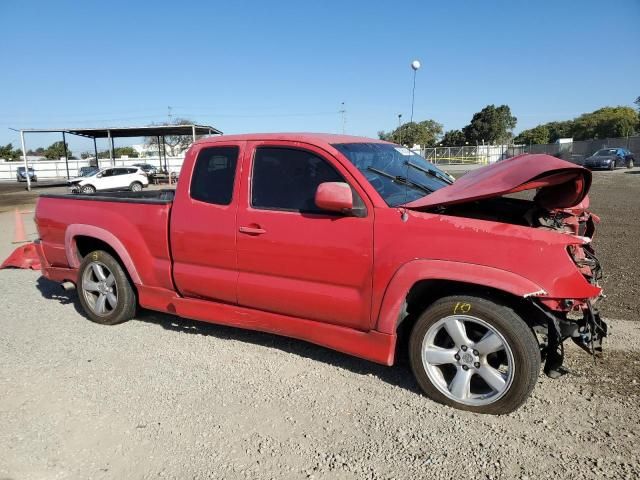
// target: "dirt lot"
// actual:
[[165, 397], [615, 197]]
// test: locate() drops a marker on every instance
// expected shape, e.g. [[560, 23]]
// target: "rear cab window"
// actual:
[[214, 175]]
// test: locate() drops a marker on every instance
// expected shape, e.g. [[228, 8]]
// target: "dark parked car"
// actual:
[[610, 158], [21, 177]]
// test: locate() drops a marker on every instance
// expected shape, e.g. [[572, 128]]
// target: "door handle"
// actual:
[[252, 230]]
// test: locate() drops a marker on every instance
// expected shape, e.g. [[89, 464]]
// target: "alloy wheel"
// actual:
[[468, 360], [99, 289]]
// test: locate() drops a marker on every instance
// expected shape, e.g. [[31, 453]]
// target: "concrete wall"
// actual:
[[56, 169]]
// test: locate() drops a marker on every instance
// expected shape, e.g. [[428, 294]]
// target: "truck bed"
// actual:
[[134, 225]]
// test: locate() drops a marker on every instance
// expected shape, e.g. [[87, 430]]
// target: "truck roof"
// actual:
[[327, 138]]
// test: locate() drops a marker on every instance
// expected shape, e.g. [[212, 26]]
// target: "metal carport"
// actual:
[[159, 131]]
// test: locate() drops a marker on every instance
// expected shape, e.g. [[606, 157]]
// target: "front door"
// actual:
[[293, 258], [107, 179]]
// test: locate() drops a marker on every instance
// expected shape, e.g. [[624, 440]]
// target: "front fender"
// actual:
[[412, 272]]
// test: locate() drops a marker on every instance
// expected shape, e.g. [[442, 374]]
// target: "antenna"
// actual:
[[343, 112]]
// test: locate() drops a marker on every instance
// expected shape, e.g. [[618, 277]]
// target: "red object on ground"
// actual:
[[25, 256], [19, 235]]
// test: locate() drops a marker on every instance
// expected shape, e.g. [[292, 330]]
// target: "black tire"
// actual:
[[521, 342], [612, 165], [136, 187], [126, 301], [630, 163], [88, 189]]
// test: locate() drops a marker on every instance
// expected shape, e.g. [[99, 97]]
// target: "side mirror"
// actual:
[[334, 197], [99, 175]]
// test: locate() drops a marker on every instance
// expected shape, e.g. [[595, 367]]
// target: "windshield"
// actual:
[[607, 152], [398, 174]]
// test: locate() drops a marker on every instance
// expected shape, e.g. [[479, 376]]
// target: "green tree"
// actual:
[[426, 132], [453, 138], [562, 129], [55, 151], [38, 152], [175, 144], [9, 153], [605, 122], [491, 124], [128, 151], [534, 136]]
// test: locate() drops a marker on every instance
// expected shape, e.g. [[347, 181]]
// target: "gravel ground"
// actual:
[[166, 397]]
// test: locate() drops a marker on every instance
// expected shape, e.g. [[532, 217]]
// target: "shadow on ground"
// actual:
[[397, 375], [53, 291]]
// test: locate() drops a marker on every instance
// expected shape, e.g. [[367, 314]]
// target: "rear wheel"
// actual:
[[473, 354], [136, 187], [106, 295], [88, 189]]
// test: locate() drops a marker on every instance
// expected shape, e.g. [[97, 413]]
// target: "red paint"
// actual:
[[524, 172], [25, 256], [337, 281]]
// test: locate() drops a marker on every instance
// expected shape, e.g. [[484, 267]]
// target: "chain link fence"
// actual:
[[574, 152]]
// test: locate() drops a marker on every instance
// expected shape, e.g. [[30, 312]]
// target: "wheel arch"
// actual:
[[419, 283], [82, 239]]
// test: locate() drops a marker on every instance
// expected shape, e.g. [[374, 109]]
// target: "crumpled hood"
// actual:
[[561, 184]]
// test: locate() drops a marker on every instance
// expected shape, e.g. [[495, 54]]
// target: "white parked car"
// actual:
[[111, 179]]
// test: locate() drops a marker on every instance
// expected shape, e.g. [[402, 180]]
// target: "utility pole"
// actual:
[[343, 112], [400, 128]]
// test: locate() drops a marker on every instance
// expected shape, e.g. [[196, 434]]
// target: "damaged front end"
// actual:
[[578, 319], [540, 192], [587, 331]]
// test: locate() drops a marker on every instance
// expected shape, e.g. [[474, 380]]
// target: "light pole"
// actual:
[[415, 65], [400, 128]]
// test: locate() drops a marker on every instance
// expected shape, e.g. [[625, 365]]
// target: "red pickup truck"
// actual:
[[354, 244]]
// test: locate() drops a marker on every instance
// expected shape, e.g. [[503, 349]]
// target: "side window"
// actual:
[[287, 179], [107, 173], [214, 174], [132, 170]]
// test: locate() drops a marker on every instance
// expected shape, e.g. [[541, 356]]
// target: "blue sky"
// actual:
[[287, 65]]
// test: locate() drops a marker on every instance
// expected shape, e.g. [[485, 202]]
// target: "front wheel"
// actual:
[[630, 163], [88, 189], [473, 354], [106, 295]]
